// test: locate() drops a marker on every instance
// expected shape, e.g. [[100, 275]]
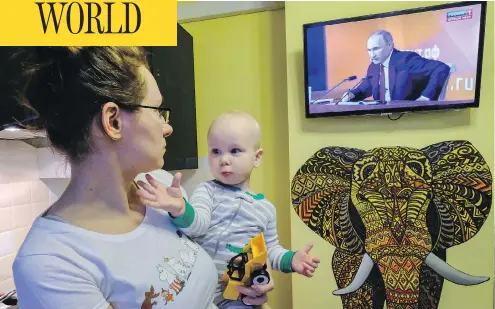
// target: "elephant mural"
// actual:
[[391, 213]]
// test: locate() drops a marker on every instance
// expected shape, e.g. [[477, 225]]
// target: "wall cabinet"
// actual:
[[173, 68]]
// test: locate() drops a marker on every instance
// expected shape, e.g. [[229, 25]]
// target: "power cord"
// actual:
[[394, 119]]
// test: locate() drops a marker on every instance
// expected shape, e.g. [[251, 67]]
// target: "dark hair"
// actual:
[[67, 87]]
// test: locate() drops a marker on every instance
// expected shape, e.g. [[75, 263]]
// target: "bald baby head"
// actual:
[[236, 125], [234, 148]]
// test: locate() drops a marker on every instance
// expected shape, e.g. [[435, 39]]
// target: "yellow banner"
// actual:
[[88, 23]]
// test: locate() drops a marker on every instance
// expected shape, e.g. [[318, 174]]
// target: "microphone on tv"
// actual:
[[352, 77], [359, 83]]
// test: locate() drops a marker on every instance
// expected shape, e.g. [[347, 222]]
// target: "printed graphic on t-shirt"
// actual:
[[148, 303], [173, 272]]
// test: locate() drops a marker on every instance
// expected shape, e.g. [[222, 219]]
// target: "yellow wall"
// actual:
[[418, 130], [240, 64]]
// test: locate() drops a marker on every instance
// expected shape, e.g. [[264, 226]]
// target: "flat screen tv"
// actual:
[[420, 59]]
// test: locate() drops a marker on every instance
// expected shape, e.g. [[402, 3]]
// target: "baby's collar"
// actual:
[[258, 196]]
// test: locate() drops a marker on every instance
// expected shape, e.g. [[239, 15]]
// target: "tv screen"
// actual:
[[413, 60]]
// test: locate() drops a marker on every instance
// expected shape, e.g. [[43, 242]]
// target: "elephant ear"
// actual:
[[321, 196], [462, 190]]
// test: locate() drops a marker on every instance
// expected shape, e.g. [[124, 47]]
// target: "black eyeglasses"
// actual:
[[164, 111]]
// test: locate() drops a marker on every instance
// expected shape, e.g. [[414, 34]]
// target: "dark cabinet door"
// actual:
[[11, 82], [173, 68]]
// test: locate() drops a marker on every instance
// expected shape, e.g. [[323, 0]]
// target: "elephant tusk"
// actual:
[[452, 274], [360, 277]]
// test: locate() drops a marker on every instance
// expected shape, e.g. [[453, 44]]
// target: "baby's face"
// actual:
[[232, 152]]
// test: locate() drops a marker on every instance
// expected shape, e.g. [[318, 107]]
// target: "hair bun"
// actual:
[[41, 66]]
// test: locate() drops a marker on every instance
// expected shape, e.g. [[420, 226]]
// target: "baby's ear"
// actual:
[[259, 155]]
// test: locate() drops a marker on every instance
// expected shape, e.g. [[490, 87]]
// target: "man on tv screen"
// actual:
[[398, 75]]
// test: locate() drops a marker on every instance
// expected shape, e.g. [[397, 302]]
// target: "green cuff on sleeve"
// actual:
[[286, 262], [186, 219]]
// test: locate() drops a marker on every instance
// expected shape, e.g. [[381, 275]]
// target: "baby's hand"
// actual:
[[304, 263], [166, 198]]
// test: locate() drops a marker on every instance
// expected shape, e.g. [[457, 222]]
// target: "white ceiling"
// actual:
[[202, 10]]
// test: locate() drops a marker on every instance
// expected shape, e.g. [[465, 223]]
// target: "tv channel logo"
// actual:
[[459, 15]]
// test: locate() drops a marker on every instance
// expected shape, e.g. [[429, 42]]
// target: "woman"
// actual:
[[97, 246]]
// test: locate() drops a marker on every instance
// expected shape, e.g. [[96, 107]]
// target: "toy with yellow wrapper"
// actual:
[[247, 268]]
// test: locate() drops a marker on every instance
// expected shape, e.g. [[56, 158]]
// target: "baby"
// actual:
[[224, 213]]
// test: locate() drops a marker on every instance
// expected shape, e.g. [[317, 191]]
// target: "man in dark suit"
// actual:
[[398, 75]]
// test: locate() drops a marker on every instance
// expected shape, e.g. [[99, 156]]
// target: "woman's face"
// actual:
[[144, 143]]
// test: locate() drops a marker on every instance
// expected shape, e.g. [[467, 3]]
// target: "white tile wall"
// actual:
[[22, 198]]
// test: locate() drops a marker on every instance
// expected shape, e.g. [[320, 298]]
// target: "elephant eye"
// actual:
[[367, 170], [416, 167]]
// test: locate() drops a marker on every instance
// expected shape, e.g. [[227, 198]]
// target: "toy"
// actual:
[[247, 267]]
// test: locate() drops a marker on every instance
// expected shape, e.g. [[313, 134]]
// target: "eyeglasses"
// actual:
[[164, 111]]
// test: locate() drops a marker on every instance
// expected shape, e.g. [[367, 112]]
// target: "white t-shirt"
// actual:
[[155, 266]]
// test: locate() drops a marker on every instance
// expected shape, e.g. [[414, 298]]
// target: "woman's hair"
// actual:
[[67, 87]]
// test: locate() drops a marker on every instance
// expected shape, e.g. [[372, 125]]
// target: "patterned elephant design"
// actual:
[[392, 213]]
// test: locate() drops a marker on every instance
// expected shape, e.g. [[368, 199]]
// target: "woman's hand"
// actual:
[[256, 295]]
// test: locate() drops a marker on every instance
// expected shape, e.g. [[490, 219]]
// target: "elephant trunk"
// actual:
[[435, 263]]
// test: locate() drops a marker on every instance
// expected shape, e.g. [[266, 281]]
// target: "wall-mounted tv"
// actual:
[[420, 59]]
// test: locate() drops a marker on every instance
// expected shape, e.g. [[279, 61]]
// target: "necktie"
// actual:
[[382, 83]]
